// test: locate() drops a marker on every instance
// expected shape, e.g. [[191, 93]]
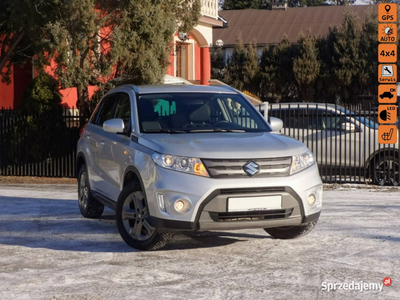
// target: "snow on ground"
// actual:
[[48, 251]]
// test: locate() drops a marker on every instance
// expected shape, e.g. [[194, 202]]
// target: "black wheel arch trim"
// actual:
[[78, 156], [137, 173]]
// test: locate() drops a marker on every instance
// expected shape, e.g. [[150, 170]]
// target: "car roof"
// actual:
[[181, 88]]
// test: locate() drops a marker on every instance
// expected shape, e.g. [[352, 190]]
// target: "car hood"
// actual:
[[224, 145]]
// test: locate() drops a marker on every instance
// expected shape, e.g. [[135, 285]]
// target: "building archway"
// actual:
[[199, 38], [203, 39]]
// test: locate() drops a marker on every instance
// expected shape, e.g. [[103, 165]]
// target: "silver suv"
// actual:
[[173, 157]]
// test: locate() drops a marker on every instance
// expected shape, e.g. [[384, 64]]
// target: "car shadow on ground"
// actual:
[[58, 225]]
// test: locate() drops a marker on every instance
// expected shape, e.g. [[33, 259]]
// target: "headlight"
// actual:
[[301, 162], [181, 164]]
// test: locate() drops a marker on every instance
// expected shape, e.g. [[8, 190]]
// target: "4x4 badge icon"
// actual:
[[251, 168]]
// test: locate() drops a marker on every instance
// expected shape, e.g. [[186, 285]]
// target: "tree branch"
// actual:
[[13, 45]]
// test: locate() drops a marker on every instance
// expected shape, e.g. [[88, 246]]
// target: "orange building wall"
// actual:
[[170, 70], [7, 95]]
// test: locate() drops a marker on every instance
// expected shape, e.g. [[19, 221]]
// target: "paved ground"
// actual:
[[48, 251]]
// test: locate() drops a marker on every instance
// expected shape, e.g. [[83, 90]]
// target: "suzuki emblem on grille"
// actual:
[[251, 168]]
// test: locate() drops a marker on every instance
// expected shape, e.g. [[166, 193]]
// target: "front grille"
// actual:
[[251, 215], [261, 190], [233, 168]]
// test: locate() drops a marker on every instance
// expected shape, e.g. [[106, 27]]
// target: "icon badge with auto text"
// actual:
[[387, 33]]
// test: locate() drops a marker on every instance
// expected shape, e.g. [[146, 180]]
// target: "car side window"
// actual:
[[315, 119], [292, 117], [123, 109], [106, 111], [334, 121]]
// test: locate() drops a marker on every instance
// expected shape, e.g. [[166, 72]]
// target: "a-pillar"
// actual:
[[205, 66]]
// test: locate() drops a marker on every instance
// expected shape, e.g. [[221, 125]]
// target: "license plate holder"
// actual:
[[254, 203]]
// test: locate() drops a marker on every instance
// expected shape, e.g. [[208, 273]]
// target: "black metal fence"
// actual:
[[40, 144], [345, 142]]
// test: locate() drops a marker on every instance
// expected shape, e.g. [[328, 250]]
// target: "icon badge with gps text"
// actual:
[[387, 12]]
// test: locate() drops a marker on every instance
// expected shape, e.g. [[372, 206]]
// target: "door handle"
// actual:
[[102, 143]]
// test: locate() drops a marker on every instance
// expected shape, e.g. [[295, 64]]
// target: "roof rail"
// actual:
[[135, 88], [228, 87]]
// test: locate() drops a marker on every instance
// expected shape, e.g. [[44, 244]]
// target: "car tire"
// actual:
[[291, 232], [385, 170], [88, 206], [132, 222]]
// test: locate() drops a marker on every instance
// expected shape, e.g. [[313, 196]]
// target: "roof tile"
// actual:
[[269, 26]]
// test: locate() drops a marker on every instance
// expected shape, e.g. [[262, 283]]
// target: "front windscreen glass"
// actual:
[[197, 112]]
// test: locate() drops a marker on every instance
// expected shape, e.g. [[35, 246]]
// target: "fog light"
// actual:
[[311, 199], [180, 205], [161, 202]]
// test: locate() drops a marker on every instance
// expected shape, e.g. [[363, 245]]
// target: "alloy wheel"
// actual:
[[134, 217], [387, 172], [83, 191]]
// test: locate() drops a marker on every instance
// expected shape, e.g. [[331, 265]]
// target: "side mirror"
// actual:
[[114, 126], [348, 127], [275, 123]]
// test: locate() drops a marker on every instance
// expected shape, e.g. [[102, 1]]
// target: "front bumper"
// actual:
[[208, 198], [168, 225]]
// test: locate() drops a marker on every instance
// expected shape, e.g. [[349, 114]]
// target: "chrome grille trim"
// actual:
[[233, 168]]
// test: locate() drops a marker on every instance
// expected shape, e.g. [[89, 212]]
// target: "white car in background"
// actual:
[[345, 143]]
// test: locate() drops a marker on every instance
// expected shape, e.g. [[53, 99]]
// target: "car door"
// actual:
[[346, 141], [114, 145], [96, 143]]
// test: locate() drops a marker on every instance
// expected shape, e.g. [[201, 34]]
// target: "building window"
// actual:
[[228, 52], [182, 60]]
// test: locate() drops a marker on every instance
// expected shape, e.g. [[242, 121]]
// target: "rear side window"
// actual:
[[105, 112]]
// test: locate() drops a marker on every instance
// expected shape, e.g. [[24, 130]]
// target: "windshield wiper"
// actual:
[[163, 130], [215, 130]]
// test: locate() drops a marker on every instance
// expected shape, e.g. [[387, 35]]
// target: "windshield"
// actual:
[[363, 120], [197, 112]]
